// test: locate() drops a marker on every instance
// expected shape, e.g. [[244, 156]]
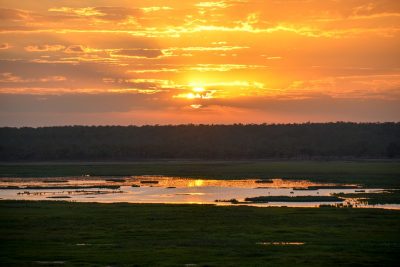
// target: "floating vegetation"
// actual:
[[266, 199], [317, 187], [264, 181], [74, 192], [10, 187], [59, 197], [170, 187], [116, 180], [55, 181], [149, 182], [73, 187], [303, 189], [135, 185]]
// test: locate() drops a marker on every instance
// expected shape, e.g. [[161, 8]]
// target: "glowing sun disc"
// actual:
[[198, 89]]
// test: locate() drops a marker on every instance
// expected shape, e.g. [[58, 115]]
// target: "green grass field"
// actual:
[[369, 173], [78, 234]]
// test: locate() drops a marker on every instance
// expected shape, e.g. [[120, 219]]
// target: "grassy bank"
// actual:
[[266, 199], [79, 234], [369, 173]]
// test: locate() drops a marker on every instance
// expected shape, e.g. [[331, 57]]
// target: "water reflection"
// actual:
[[161, 189], [159, 181], [197, 182]]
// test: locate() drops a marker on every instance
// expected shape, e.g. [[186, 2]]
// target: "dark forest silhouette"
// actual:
[[265, 141]]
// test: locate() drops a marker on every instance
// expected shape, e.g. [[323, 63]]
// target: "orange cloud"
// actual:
[[139, 53], [7, 77], [75, 49], [44, 48]]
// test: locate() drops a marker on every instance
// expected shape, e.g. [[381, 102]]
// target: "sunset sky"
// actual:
[[125, 62]]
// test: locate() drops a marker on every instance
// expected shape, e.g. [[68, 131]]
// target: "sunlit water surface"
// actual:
[[161, 189]]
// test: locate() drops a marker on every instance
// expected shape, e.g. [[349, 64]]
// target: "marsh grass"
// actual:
[[175, 235]]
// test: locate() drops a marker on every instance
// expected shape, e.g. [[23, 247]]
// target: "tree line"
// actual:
[[237, 141]]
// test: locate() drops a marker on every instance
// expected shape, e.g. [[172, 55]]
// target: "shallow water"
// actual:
[[160, 189]]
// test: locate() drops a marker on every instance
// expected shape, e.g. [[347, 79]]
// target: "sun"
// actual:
[[197, 92], [190, 96], [198, 89]]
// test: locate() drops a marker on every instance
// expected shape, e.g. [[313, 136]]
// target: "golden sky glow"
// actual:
[[229, 61]]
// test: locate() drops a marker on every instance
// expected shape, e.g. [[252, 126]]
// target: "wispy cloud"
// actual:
[[44, 48]]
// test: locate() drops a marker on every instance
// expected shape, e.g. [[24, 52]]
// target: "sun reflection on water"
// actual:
[[196, 183]]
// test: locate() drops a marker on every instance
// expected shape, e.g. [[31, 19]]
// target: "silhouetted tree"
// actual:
[[238, 141]]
